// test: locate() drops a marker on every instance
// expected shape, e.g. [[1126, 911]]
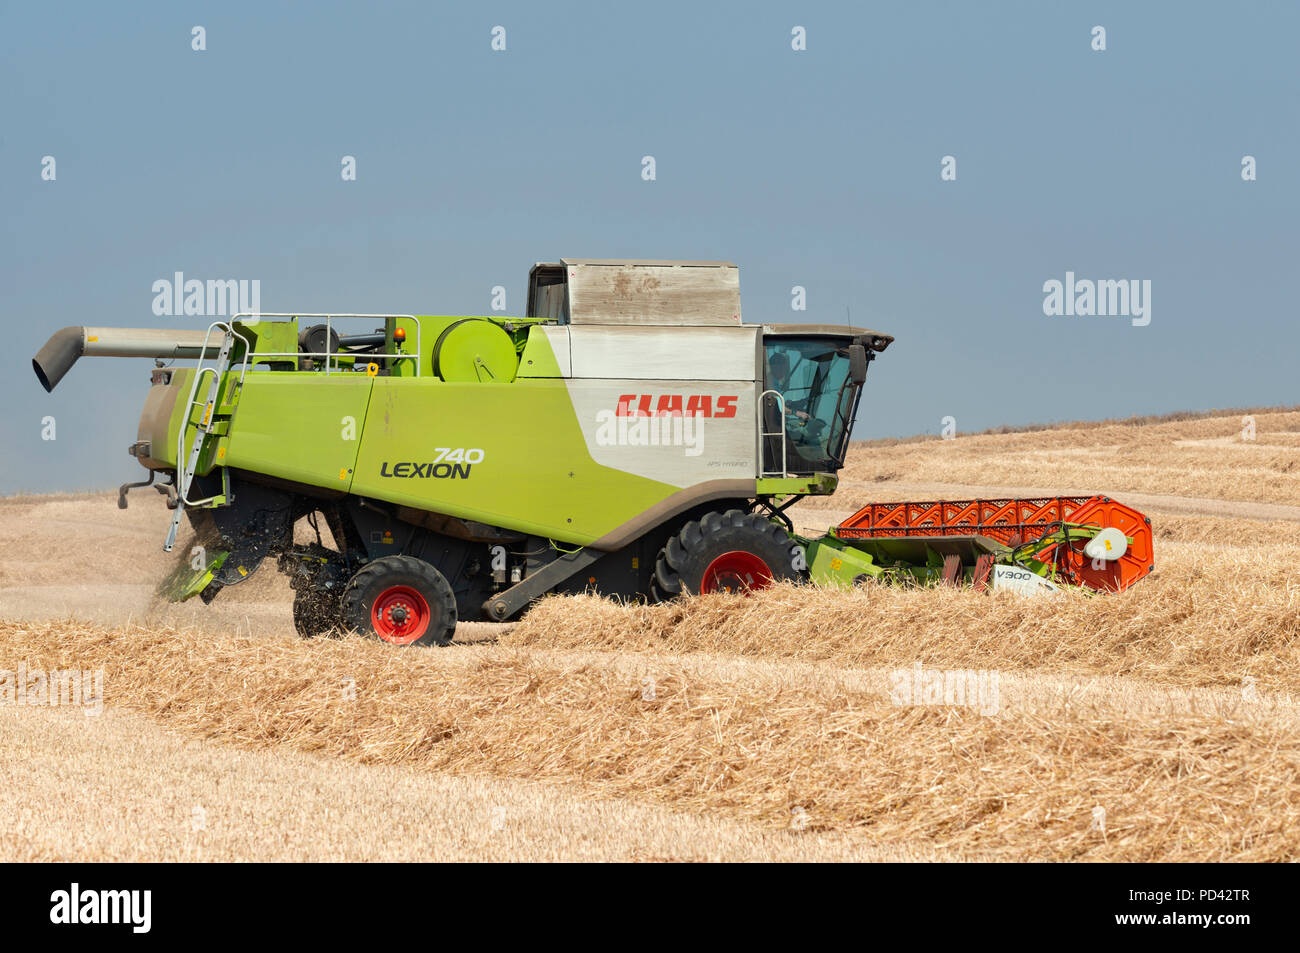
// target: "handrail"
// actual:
[[764, 433], [185, 467], [186, 474], [331, 357]]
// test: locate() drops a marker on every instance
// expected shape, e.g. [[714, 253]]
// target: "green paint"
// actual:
[[534, 473], [484, 444], [185, 582], [833, 563]]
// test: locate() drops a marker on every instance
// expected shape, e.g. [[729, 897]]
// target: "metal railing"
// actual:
[[764, 434], [185, 466], [331, 357]]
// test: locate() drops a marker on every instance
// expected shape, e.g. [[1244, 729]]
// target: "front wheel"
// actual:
[[733, 551], [401, 600]]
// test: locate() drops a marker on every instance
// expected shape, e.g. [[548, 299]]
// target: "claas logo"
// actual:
[[676, 405]]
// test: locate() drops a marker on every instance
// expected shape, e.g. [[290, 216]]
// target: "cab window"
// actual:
[[811, 374]]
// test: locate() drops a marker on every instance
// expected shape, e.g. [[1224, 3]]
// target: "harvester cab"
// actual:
[[630, 435]]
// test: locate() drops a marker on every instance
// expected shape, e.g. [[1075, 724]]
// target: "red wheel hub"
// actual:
[[737, 571], [400, 615]]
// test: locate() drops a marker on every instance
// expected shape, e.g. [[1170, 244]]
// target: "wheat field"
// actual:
[[795, 724]]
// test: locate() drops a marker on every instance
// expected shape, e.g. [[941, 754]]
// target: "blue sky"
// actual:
[[817, 168]]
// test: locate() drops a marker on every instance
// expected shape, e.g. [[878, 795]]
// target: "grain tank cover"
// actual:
[[651, 293]]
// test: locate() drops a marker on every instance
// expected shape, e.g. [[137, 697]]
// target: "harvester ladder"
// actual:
[[764, 471], [186, 466]]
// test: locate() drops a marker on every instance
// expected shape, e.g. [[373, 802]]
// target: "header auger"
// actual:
[[630, 435]]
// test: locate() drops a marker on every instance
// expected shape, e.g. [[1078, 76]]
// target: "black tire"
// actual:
[[395, 580], [316, 612], [683, 562], [655, 596]]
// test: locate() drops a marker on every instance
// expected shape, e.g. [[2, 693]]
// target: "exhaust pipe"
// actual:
[[64, 347]]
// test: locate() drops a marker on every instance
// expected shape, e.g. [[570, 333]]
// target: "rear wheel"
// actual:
[[402, 600], [733, 551]]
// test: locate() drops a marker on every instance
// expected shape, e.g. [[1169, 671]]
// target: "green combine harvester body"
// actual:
[[631, 436]]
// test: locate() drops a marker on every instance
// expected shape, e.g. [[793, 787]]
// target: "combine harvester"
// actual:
[[631, 436]]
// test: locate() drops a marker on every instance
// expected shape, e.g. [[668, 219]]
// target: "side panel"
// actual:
[[510, 455], [677, 404], [547, 352], [658, 353], [652, 292], [677, 432], [303, 427]]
